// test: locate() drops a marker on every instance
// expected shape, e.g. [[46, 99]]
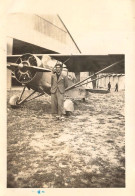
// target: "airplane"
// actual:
[[33, 74]]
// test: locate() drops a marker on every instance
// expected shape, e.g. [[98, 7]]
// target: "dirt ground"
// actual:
[[85, 150]]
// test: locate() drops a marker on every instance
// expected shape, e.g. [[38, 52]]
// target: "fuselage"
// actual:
[[41, 82]]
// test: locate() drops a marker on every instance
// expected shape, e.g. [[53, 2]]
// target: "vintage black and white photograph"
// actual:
[[67, 66], [66, 121]]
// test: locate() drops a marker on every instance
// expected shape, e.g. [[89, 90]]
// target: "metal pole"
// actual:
[[69, 34], [27, 97], [93, 75], [35, 97], [92, 80], [22, 93]]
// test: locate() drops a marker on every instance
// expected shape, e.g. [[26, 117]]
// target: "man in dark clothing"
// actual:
[[109, 86], [116, 87], [59, 83]]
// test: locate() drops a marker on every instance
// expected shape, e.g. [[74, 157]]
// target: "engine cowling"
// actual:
[[23, 73]]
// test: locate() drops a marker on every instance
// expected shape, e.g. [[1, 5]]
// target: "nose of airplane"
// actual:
[[22, 73], [20, 65]]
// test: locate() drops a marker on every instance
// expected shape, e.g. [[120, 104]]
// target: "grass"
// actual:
[[86, 150]]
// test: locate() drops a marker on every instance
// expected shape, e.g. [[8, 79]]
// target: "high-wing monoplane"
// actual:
[[32, 73]]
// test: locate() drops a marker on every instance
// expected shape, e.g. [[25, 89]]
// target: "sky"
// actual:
[[96, 27]]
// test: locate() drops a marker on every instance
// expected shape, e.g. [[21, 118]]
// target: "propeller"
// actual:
[[29, 67], [26, 67]]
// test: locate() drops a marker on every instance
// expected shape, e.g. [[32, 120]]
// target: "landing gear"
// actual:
[[15, 101]]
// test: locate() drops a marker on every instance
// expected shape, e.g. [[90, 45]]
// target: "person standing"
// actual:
[[116, 87], [59, 83], [109, 86]]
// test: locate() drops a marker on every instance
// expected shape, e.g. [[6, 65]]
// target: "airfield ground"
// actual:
[[85, 150]]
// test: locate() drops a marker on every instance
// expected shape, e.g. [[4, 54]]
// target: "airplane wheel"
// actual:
[[68, 105], [13, 101]]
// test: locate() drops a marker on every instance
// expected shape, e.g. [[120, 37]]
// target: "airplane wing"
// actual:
[[12, 58], [92, 63], [86, 63]]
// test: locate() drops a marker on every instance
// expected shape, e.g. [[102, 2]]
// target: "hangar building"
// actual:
[[46, 34], [37, 34], [104, 79]]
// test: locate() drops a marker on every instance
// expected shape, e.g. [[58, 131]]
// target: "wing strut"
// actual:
[[92, 80], [102, 70], [65, 61]]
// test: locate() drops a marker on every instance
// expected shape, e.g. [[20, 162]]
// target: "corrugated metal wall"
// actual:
[[50, 29], [45, 31], [113, 78], [102, 83]]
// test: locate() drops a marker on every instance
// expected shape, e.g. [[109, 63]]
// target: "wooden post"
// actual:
[[9, 52]]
